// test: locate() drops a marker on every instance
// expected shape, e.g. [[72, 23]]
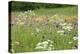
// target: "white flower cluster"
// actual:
[[23, 16], [65, 27], [38, 30], [45, 45], [75, 38], [30, 12], [26, 13]]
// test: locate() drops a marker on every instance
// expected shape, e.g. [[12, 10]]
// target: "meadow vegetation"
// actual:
[[44, 29]]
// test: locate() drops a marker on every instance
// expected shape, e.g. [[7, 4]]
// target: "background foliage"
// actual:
[[24, 6]]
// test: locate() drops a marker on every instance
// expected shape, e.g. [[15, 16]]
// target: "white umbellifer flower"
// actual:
[[25, 12], [60, 31], [39, 44], [45, 46], [29, 11], [64, 27], [48, 40], [68, 27], [37, 30], [71, 27], [42, 45], [50, 45], [51, 41], [17, 22], [70, 42], [75, 38], [32, 33], [39, 47], [49, 48], [21, 23], [63, 24], [45, 42]]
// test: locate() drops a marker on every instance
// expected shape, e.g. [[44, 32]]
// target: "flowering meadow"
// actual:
[[44, 30]]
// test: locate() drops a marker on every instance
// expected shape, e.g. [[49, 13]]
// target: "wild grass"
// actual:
[[25, 37]]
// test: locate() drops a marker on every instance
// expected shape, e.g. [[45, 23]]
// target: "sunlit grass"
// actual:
[[60, 11]]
